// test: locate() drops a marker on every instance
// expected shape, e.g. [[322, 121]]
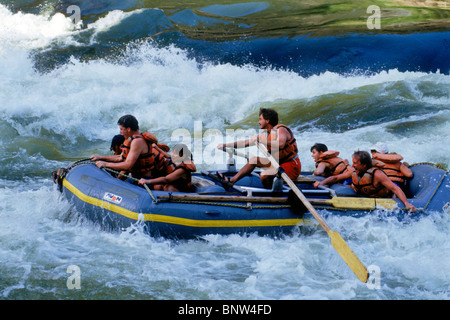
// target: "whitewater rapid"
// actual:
[[68, 110]]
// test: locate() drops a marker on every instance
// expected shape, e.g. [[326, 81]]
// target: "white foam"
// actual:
[[166, 89], [31, 31]]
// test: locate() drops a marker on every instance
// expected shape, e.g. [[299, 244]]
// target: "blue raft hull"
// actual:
[[115, 204]]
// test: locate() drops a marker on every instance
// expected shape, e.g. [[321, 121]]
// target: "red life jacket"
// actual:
[[364, 185], [289, 151]]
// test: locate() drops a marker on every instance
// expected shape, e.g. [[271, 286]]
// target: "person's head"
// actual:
[[317, 149], [180, 153], [379, 147], [362, 161], [116, 144], [267, 117], [128, 124]]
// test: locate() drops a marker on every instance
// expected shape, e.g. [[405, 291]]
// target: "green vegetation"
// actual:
[[314, 18]]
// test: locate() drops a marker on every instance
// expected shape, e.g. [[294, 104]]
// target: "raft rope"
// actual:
[[230, 204], [88, 160], [435, 190], [134, 179], [437, 165], [62, 172]]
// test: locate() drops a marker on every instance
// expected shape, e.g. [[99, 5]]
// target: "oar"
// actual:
[[338, 243], [356, 203]]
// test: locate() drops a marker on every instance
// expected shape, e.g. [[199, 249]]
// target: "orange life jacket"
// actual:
[[364, 185], [184, 183], [391, 165], [163, 147], [337, 165], [152, 161], [289, 151]]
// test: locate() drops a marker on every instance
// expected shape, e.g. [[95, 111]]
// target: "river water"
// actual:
[[64, 83]]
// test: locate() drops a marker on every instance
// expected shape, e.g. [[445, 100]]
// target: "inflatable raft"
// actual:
[[246, 208]]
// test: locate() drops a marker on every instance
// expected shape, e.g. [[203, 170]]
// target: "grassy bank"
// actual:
[[237, 18]]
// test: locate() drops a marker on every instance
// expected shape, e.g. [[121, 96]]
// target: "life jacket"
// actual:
[[163, 147], [364, 185], [149, 139], [289, 151], [152, 161], [390, 164], [337, 165], [184, 183]]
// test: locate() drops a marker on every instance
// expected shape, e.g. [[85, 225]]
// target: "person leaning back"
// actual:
[[279, 141]]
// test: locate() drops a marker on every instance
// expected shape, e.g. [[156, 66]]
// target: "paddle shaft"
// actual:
[[297, 191], [337, 241], [305, 201]]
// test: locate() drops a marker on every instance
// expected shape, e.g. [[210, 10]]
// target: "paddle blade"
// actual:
[[353, 203], [349, 256], [361, 203]]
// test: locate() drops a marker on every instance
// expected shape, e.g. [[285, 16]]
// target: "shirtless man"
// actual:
[[137, 149], [279, 141]]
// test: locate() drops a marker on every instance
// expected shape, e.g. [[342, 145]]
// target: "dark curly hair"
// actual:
[[129, 121], [269, 114]]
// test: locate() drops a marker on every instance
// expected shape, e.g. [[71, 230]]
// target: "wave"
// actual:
[[62, 89], [166, 90], [59, 37], [73, 107], [31, 31]]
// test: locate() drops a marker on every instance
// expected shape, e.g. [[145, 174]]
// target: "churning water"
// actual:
[[64, 84]]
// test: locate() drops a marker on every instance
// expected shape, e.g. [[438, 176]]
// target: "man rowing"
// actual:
[[279, 141]]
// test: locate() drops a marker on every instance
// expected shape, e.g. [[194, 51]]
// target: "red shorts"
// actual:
[[292, 168]]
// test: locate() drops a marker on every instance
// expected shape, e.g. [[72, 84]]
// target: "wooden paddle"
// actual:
[[337, 242], [354, 203], [350, 203]]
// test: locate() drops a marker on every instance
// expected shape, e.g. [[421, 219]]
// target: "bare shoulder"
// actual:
[[138, 143]]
